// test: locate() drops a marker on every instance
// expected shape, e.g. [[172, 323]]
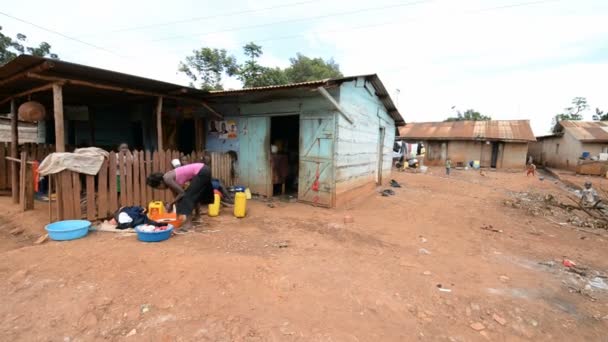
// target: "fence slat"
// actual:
[[112, 187], [67, 193], [76, 194], [136, 189], [162, 156], [168, 156], [148, 162], [59, 196], [102, 190], [142, 179], [91, 203], [157, 195], [123, 179], [129, 177]]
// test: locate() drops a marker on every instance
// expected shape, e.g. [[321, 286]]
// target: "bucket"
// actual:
[[68, 230], [586, 155]]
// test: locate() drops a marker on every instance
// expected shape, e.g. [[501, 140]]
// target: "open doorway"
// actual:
[[494, 160], [185, 136], [285, 154]]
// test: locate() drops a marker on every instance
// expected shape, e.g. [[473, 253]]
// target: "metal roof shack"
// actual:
[[260, 93], [585, 131], [495, 130]]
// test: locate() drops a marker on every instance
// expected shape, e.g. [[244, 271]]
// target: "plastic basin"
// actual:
[[154, 236], [169, 218], [68, 230]]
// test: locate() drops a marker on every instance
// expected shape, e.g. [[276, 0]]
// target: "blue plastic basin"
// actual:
[[154, 236], [68, 230]]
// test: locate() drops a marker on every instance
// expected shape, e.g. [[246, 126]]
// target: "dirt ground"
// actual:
[[415, 266]]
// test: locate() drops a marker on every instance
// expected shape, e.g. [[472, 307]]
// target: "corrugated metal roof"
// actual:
[[271, 87], [503, 130], [107, 77], [381, 91], [587, 131], [69, 70]]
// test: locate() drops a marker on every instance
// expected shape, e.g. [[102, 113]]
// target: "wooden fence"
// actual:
[[121, 181], [34, 152]]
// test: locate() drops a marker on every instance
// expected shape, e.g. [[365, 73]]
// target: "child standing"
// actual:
[[448, 166]]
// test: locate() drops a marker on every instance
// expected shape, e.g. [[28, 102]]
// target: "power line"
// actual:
[[363, 27], [313, 18], [228, 14], [60, 34]]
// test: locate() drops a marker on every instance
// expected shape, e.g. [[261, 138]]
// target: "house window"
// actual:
[[557, 149]]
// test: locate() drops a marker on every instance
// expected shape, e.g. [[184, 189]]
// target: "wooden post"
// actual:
[[14, 148], [159, 123], [26, 186], [58, 110]]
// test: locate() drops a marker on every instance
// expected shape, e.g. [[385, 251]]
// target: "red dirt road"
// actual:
[[297, 273]]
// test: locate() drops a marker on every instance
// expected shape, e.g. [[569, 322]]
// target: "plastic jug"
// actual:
[[156, 208], [248, 193], [214, 208], [240, 204]]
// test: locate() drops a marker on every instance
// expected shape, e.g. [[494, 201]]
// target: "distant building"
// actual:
[[565, 148], [496, 143]]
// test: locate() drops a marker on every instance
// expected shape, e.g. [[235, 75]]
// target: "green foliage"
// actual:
[[209, 65], [573, 113], [600, 115], [11, 48], [305, 69], [469, 115]]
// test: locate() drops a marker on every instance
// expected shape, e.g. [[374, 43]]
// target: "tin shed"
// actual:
[[495, 143], [329, 141]]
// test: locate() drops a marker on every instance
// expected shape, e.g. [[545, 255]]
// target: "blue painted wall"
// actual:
[[357, 144]]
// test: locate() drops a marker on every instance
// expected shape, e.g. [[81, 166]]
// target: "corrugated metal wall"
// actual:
[[357, 144]]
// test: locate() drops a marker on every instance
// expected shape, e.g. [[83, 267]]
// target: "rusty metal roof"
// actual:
[[501, 130], [381, 91], [586, 131]]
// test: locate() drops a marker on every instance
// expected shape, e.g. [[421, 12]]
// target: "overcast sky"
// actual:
[[511, 59]]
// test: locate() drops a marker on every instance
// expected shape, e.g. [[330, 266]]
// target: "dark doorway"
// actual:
[[285, 154], [494, 155], [186, 136]]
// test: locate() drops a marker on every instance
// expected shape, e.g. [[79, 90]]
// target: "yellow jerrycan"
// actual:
[[240, 204], [214, 208], [156, 208]]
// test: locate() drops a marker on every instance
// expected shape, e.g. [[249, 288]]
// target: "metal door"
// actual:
[[254, 162], [316, 176]]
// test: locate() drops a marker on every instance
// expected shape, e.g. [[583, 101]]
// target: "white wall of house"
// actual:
[[564, 152]]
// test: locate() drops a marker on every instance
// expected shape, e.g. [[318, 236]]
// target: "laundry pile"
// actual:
[[148, 228]]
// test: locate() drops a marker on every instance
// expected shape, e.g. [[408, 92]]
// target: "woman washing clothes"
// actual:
[[200, 189]]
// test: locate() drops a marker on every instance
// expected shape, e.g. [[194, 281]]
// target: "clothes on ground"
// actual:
[[199, 191], [149, 228], [83, 160], [186, 173], [130, 217]]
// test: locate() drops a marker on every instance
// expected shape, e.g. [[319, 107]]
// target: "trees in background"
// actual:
[[208, 66], [13, 47], [469, 115]]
